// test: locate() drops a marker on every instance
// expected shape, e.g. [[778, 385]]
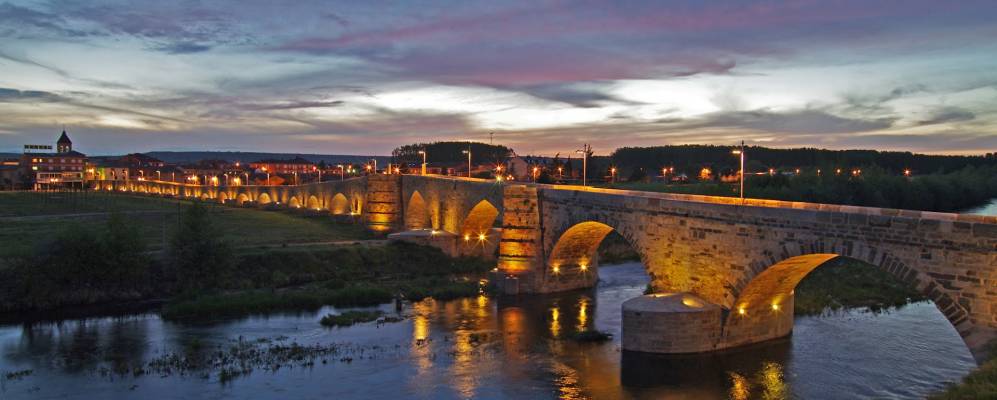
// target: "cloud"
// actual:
[[948, 114], [13, 95], [183, 48], [801, 121], [292, 105]]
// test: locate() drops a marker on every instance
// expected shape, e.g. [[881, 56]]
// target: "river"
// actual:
[[488, 348]]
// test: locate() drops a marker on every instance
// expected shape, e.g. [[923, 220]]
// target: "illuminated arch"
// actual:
[[339, 204], [764, 307], [314, 203], [205, 196], [222, 197], [241, 198], [154, 189], [479, 220], [357, 206], [416, 214], [294, 202], [263, 198], [577, 247]]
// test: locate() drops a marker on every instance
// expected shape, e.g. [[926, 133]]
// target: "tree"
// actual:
[[123, 255], [201, 258]]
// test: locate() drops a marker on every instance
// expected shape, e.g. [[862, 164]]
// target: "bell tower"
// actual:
[[64, 145]]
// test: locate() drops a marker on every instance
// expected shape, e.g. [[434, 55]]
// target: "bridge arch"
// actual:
[[222, 197], [242, 198], [479, 220], [763, 308], [574, 256], [263, 199], [293, 202], [313, 203], [154, 189], [339, 205], [416, 212], [205, 196]]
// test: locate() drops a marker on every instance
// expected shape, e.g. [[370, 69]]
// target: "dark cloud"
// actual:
[[183, 48], [584, 95], [801, 121], [292, 105], [948, 114], [27, 96], [22, 21]]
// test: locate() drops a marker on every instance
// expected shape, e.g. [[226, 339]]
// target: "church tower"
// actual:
[[64, 145]]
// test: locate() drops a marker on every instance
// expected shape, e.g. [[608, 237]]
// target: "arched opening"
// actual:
[[339, 204], [416, 214], [205, 196], [242, 198], [576, 255], [479, 220], [294, 202], [154, 189], [765, 308], [222, 197], [263, 199], [314, 203]]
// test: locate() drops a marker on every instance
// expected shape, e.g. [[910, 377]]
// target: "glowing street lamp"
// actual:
[[268, 175], [247, 177], [536, 172], [585, 162], [342, 171], [423, 152], [740, 153], [612, 175], [560, 173], [159, 175], [907, 172]]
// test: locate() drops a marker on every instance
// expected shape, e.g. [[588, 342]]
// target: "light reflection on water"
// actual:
[[497, 348]]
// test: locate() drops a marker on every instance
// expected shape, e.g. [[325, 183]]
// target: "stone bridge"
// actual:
[[733, 264]]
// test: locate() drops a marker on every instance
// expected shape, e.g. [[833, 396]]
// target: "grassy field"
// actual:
[[27, 220]]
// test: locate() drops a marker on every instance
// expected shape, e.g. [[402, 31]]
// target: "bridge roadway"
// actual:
[[745, 258]]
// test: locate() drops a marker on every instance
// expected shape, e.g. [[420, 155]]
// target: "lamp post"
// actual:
[[560, 173], [295, 177], [536, 174], [741, 154], [585, 162], [159, 175], [612, 175], [374, 160], [468, 152], [342, 172], [423, 152]]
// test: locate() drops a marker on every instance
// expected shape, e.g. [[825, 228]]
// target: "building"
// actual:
[[275, 166], [65, 168]]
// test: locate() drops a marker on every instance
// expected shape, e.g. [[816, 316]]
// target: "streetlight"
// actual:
[[468, 152], [907, 172], [423, 152], [612, 175], [560, 173], [295, 177], [536, 172], [585, 162], [374, 160], [342, 171], [741, 154], [159, 175], [268, 175]]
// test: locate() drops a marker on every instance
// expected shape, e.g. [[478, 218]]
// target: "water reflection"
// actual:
[[496, 348]]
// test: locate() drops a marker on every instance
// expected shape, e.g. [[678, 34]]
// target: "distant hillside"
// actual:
[[694, 157], [232, 156]]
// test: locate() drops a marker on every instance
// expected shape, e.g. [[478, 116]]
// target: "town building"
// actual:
[[63, 169], [276, 166]]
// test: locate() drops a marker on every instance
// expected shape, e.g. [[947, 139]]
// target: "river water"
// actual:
[[490, 348]]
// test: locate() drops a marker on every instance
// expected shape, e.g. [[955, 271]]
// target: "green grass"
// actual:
[[349, 318], [27, 220], [267, 301], [981, 383]]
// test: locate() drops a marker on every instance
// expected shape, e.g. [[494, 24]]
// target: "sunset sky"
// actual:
[[364, 77]]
